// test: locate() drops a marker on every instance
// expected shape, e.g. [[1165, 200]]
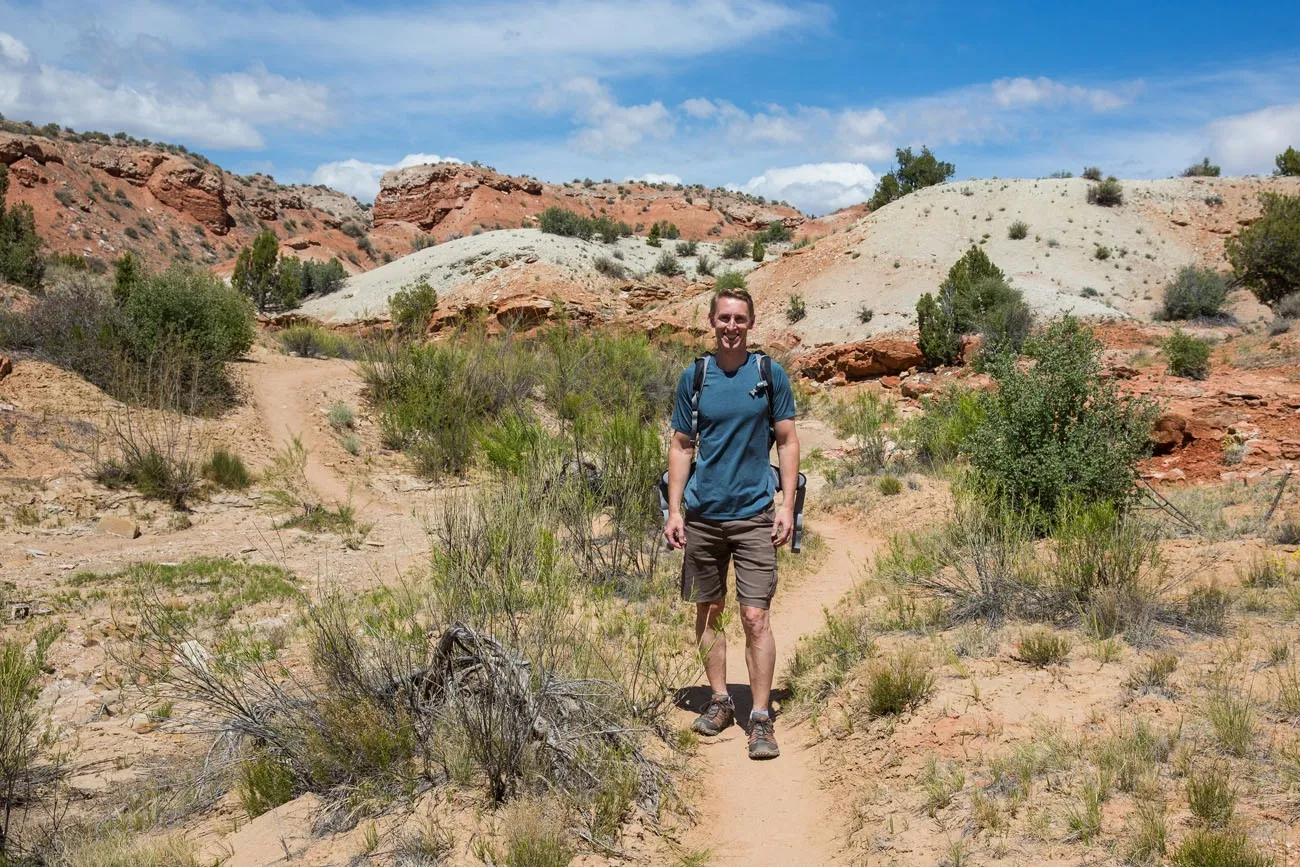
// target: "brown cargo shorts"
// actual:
[[711, 545]]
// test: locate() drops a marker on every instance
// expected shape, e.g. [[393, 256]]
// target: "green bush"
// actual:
[[796, 309], [226, 470], [1108, 193], [1265, 255], [1203, 169], [668, 265], [899, 684], [735, 248], [730, 280], [704, 265], [609, 267], [688, 248], [1188, 356], [1288, 307], [272, 281], [1041, 648], [1101, 253], [776, 232], [759, 252], [315, 341], [412, 306], [1288, 163], [1057, 431], [1194, 293], [1091, 173], [560, 221], [914, 172], [1019, 230], [863, 421], [974, 297], [938, 435], [20, 247], [1208, 848]]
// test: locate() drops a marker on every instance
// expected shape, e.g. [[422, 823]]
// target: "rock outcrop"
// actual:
[[425, 195], [15, 147], [864, 359], [183, 186]]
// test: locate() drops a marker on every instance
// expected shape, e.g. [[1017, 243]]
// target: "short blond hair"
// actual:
[[739, 294]]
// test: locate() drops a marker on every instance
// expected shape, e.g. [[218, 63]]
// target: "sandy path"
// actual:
[[286, 390], [776, 812]]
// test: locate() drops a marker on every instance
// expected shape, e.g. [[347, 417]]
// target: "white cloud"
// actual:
[[1249, 142], [361, 179], [656, 178], [816, 188], [699, 108], [224, 112], [865, 135], [607, 125], [1028, 92]]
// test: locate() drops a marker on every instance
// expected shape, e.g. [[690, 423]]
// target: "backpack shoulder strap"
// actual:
[[697, 386], [765, 381]]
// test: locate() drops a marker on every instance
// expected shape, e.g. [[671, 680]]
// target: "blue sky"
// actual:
[[795, 100]]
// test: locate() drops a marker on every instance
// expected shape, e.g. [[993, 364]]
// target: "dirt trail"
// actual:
[[776, 812], [285, 391]]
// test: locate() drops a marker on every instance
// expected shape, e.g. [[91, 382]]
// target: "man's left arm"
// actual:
[[787, 456]]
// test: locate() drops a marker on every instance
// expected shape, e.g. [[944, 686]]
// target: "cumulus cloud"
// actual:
[[224, 112], [1249, 142], [1029, 92], [656, 178], [816, 188], [699, 107], [361, 179], [607, 126]]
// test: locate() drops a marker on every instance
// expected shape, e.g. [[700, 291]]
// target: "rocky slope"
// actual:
[[97, 198], [454, 199]]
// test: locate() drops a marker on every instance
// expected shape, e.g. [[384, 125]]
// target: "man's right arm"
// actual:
[[681, 452]]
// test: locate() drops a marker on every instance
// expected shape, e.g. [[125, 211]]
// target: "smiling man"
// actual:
[[725, 418]]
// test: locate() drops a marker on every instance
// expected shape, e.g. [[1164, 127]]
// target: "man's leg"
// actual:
[[760, 654], [712, 643]]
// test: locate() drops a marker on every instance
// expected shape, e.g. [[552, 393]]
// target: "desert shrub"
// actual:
[[1209, 848], [704, 265], [939, 340], [23, 741], [1188, 356], [610, 267], [226, 469], [422, 242], [795, 309], [1091, 173], [1194, 293], [1154, 674], [758, 252], [1107, 193], [865, 314], [156, 456], [432, 401], [1206, 610], [1042, 648], [1210, 796], [823, 660], [1265, 255], [938, 434], [735, 248], [341, 416], [653, 237], [320, 278], [561, 221], [914, 172], [776, 232], [862, 421], [688, 248], [20, 247], [353, 229], [730, 280], [412, 306], [899, 684], [1101, 253], [1288, 307], [1203, 169], [974, 297], [1019, 230], [315, 341], [889, 485], [263, 784], [1232, 719], [666, 230], [1057, 431], [1288, 163], [668, 265]]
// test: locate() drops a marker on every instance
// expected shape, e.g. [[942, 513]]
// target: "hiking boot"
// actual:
[[762, 738], [719, 713]]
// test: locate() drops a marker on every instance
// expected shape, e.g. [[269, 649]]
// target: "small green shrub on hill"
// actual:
[[730, 280], [1194, 293], [1203, 169], [1188, 356], [668, 265], [1288, 163], [412, 306], [735, 248], [1108, 193], [914, 172], [1091, 173]]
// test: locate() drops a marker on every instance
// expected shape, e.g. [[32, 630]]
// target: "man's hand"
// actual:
[[675, 530], [783, 525]]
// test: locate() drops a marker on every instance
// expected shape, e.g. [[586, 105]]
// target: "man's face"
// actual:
[[731, 323]]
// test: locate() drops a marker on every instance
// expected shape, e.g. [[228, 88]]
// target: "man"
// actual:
[[729, 509]]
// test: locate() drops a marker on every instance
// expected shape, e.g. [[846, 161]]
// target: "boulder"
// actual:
[[864, 359], [523, 312], [199, 194], [130, 164], [1169, 433], [28, 173], [113, 525]]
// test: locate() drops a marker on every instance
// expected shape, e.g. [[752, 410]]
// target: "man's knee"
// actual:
[[707, 613], [755, 620]]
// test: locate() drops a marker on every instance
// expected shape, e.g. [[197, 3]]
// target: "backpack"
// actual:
[[765, 383]]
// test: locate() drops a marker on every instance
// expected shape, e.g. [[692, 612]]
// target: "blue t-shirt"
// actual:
[[732, 478]]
